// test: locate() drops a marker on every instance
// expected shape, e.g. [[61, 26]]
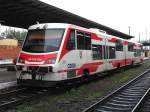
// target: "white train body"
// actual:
[[55, 52]]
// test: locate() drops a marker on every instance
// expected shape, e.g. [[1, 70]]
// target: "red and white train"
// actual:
[[55, 52]]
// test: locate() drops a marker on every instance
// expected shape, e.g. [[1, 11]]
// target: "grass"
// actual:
[[75, 99]]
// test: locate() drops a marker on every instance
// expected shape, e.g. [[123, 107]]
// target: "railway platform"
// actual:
[[7, 78]]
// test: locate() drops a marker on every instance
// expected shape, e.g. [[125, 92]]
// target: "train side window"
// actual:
[[71, 40], [130, 47], [112, 53], [87, 41], [80, 40], [119, 45], [137, 52], [97, 52], [100, 51]]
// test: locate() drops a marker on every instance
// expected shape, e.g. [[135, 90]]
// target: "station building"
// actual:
[[9, 48]]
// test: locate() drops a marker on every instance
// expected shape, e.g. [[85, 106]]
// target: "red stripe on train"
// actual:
[[112, 40], [95, 37], [125, 43], [64, 50], [37, 57], [92, 67], [117, 63]]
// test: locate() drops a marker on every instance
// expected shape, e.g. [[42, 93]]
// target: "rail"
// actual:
[[126, 98]]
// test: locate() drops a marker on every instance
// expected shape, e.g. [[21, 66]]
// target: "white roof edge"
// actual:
[[49, 25]]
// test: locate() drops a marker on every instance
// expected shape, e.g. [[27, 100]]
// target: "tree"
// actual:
[[13, 34]]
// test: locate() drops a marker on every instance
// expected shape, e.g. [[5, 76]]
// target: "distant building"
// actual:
[[146, 50], [147, 53]]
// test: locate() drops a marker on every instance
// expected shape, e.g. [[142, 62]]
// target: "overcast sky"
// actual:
[[117, 14]]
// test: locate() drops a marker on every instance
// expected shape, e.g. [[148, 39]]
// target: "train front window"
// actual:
[[43, 41]]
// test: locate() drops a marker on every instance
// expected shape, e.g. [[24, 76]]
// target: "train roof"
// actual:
[[23, 13], [66, 25]]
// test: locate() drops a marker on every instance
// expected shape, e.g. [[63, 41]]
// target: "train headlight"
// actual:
[[50, 61]]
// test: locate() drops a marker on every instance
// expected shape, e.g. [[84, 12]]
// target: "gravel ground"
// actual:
[[78, 98]]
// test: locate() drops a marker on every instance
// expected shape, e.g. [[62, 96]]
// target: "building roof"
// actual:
[[23, 13]]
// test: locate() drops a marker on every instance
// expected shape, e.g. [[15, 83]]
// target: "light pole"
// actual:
[[139, 37], [129, 29]]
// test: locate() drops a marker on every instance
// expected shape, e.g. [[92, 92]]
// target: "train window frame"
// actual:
[[80, 40], [97, 52], [83, 40], [87, 39], [39, 48], [137, 52], [131, 47], [71, 43], [112, 52], [119, 45]]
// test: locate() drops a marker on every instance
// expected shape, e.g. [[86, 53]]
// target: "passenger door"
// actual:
[[71, 56], [105, 50]]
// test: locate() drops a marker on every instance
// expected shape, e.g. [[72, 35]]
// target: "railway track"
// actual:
[[128, 98], [19, 95], [143, 105]]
